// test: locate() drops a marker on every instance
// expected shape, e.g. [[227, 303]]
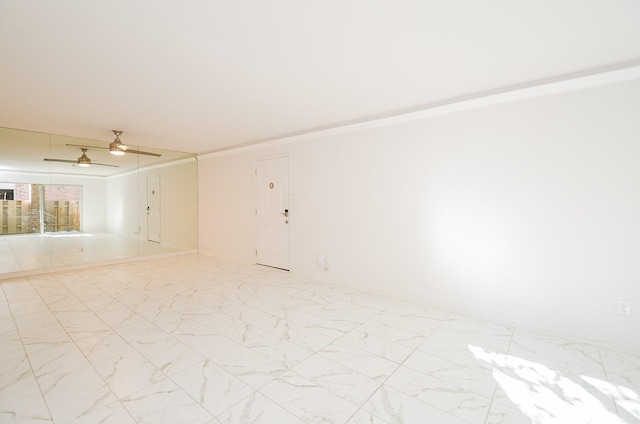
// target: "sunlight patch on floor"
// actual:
[[547, 397], [623, 396]]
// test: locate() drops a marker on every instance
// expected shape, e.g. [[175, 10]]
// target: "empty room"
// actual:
[[351, 212]]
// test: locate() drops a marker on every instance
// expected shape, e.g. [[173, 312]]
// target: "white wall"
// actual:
[[93, 218], [178, 203], [122, 206], [526, 212]]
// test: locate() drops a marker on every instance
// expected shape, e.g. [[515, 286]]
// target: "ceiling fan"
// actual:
[[83, 160], [117, 147]]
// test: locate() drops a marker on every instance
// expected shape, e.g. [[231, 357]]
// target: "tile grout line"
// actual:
[[26, 355]]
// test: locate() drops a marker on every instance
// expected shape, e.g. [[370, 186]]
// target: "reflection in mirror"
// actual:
[[57, 213]]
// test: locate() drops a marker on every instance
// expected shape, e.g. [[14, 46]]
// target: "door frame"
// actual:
[[255, 205], [157, 176]]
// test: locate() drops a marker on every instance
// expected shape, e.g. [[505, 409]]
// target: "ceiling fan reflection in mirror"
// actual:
[[83, 160], [117, 147]]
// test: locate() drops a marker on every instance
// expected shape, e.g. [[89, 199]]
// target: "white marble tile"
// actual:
[[376, 345], [233, 328], [251, 367], [345, 318], [142, 334], [307, 400], [28, 307], [5, 311], [302, 336], [80, 311], [364, 417], [475, 380], [164, 402], [130, 298], [497, 336], [35, 321], [624, 364], [416, 310], [422, 326], [114, 413], [359, 360], [457, 401], [89, 326], [11, 346], [452, 347], [293, 301], [395, 334], [103, 346], [370, 300], [343, 381], [342, 310], [281, 309], [257, 409], [128, 373], [57, 360], [324, 326], [121, 317], [162, 316], [74, 395], [64, 302], [170, 355], [45, 337], [14, 286], [565, 379], [212, 387], [280, 351], [259, 319], [86, 292], [551, 398], [205, 341], [622, 389], [556, 348], [20, 398], [395, 407], [103, 303], [501, 414]]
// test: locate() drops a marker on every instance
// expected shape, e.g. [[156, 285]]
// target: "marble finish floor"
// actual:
[[27, 252], [193, 339]]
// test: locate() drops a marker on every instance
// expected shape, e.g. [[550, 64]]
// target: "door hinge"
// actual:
[[256, 212], [256, 252], [255, 172]]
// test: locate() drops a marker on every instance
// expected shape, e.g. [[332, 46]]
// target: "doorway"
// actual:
[[273, 213], [153, 208]]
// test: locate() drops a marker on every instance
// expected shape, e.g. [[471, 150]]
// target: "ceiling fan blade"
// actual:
[[85, 147], [138, 152], [60, 160], [104, 164], [75, 162]]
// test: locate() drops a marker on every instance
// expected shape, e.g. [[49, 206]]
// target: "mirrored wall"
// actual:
[[59, 213]]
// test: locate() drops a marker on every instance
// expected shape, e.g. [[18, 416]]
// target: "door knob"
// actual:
[[286, 212]]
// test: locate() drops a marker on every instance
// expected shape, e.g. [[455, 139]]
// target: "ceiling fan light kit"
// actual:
[[117, 147], [84, 160]]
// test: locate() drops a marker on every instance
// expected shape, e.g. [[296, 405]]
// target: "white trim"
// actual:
[[152, 167], [483, 100], [48, 174]]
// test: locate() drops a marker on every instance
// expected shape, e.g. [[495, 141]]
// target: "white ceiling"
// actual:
[[204, 75]]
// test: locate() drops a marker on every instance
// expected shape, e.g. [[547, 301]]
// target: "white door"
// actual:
[[153, 208], [272, 212]]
